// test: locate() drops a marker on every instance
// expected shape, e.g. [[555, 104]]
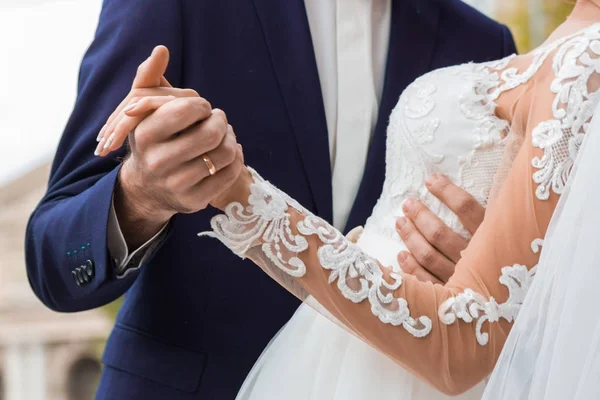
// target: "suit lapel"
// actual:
[[288, 37], [413, 34]]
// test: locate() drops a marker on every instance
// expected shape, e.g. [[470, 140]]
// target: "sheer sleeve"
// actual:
[[452, 335]]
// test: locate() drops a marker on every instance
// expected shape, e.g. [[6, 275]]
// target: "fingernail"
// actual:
[[98, 150], [101, 134], [111, 139], [408, 204], [431, 180], [130, 107], [402, 257]]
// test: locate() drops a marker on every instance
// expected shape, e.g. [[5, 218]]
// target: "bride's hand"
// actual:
[[434, 248]]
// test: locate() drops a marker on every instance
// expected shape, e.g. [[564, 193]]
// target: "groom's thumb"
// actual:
[[151, 72]]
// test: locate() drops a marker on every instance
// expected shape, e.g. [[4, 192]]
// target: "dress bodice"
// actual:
[[445, 122]]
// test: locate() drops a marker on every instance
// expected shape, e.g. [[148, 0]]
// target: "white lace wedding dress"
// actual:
[[445, 122]]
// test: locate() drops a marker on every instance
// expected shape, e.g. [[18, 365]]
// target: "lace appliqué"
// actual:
[[471, 306], [572, 109], [360, 277], [417, 103], [266, 222]]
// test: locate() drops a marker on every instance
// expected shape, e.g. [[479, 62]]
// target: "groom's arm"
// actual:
[[508, 42], [69, 265]]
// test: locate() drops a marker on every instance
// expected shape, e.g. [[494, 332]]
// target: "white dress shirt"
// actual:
[[350, 39]]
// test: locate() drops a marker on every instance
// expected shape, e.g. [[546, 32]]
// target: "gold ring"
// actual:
[[209, 164]]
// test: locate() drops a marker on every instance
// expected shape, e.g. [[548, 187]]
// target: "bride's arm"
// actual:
[[448, 335], [452, 335]]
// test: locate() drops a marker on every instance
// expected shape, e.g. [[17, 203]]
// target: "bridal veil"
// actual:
[[553, 350]]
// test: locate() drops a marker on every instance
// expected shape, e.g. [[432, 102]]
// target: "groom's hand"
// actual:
[[167, 171], [434, 247]]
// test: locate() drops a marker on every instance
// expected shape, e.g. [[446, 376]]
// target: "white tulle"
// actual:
[[553, 350], [313, 359]]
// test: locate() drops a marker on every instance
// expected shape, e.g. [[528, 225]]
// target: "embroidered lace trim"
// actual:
[[266, 222]]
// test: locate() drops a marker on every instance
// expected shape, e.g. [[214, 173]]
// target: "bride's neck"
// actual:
[[586, 11]]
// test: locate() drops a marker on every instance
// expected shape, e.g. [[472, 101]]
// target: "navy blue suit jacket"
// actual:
[[195, 317]]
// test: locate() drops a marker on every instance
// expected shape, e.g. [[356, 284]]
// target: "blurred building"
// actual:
[[43, 355]]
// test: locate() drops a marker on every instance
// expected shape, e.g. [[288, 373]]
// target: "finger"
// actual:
[[355, 234], [164, 82], [134, 96], [149, 75], [468, 210], [216, 185], [409, 265], [437, 233], [173, 117], [425, 254], [220, 157], [151, 71], [185, 149], [211, 136], [129, 119]]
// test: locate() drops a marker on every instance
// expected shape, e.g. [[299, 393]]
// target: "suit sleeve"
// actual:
[[508, 43], [68, 264]]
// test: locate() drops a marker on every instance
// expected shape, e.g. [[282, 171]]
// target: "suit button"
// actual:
[[74, 274], [79, 276], [90, 269]]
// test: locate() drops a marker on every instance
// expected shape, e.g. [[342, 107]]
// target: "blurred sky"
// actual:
[[41, 45]]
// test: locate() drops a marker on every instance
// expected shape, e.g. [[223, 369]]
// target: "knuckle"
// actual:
[[189, 93], [230, 153], [466, 206], [142, 139], [135, 99], [220, 116], [439, 233], [176, 184], [204, 107], [211, 138], [154, 164], [182, 108], [229, 175], [426, 257], [201, 107]]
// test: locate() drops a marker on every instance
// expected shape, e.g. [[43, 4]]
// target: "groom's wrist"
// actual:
[[138, 219]]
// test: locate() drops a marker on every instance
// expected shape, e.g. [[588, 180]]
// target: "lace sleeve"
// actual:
[[452, 335]]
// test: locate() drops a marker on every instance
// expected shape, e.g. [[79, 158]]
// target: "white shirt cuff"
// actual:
[[126, 263]]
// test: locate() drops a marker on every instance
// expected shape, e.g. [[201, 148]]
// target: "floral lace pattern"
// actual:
[[416, 104], [359, 277], [470, 306], [560, 138], [266, 221]]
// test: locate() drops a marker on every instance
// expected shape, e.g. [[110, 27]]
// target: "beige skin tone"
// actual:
[[165, 173]]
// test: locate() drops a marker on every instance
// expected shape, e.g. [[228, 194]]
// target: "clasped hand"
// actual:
[[171, 131]]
